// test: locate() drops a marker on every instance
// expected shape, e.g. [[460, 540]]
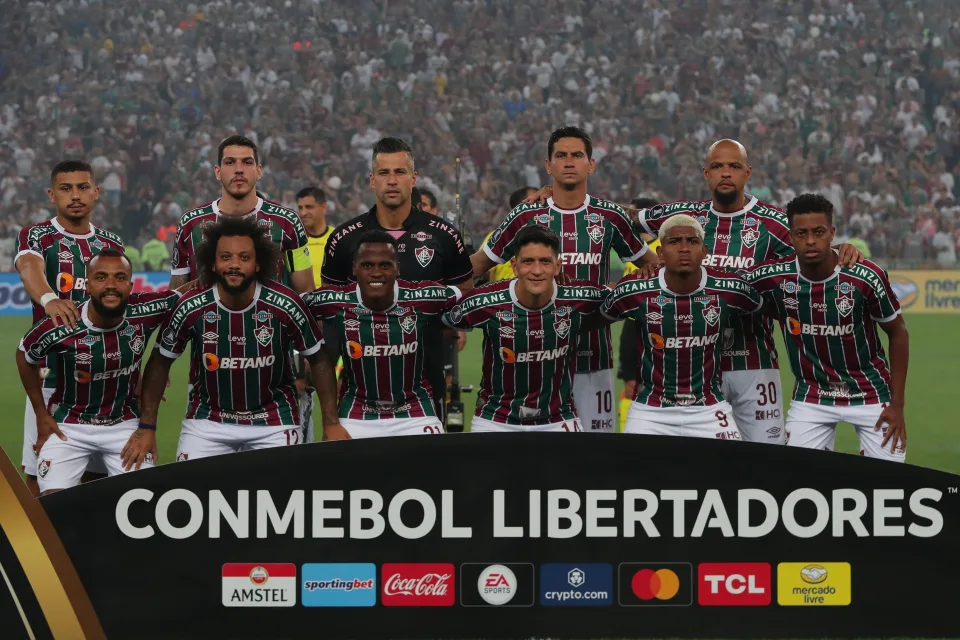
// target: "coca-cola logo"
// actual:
[[418, 585]]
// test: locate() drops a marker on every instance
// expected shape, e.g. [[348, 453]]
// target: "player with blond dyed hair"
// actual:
[[680, 314]]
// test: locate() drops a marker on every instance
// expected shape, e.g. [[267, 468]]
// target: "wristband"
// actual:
[[47, 298], [148, 427]]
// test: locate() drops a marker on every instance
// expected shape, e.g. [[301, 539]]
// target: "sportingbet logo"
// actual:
[[513, 357], [725, 584], [212, 362], [795, 327], [357, 350], [418, 585], [339, 585], [68, 282], [682, 342]]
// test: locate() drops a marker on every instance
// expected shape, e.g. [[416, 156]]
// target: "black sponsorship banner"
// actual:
[[502, 535]]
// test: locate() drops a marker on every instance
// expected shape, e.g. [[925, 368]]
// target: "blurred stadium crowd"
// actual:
[[858, 100]]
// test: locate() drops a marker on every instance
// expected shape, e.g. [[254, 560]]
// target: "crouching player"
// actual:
[[93, 412], [381, 321], [680, 315], [530, 330], [829, 315]]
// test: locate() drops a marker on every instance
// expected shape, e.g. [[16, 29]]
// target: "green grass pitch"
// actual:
[[934, 440]]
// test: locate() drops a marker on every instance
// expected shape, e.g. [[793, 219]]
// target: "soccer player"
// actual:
[[680, 315], [530, 326], [829, 314], [93, 410], [428, 202], [241, 323], [52, 259], [429, 248], [382, 321], [588, 228], [505, 271]]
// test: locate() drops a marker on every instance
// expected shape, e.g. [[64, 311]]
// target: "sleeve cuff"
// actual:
[[461, 279], [639, 254], [26, 356], [31, 252], [168, 354], [608, 316], [889, 318], [643, 223], [312, 350], [180, 272], [490, 254]]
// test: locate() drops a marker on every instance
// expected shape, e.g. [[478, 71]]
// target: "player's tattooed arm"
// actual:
[[178, 281], [30, 377], [893, 414], [325, 381]]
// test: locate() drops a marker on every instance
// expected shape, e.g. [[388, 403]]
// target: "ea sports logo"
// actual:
[[355, 349], [211, 362], [657, 340], [259, 576], [508, 356], [793, 326], [497, 584], [662, 584]]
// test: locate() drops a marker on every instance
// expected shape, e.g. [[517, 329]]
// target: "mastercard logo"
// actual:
[[355, 349], [211, 362], [657, 340], [83, 377], [508, 355], [793, 326], [648, 584], [65, 282]]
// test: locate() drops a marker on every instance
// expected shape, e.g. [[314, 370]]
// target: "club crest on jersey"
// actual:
[[421, 236], [210, 337], [790, 287], [89, 340], [137, 345], [711, 314], [263, 316], [593, 218], [562, 327], [654, 317], [845, 288], [750, 222], [351, 324], [507, 332], [264, 335], [595, 233], [211, 316], [408, 323], [543, 218], [509, 316], [749, 237], [43, 468], [424, 255], [845, 305]]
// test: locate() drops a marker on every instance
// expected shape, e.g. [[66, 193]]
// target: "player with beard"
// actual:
[[241, 324], [829, 314], [589, 229], [382, 321], [52, 259], [93, 410], [531, 326], [680, 315]]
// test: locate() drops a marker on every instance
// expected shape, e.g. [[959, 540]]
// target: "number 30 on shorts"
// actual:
[[768, 393]]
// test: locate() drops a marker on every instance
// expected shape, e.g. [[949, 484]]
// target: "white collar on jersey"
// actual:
[[583, 207], [396, 297], [59, 227], [216, 208], [833, 275], [752, 201], [663, 282], [253, 303], [84, 315], [513, 296]]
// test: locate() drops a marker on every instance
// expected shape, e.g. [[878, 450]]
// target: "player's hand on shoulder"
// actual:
[[850, 255], [141, 445], [541, 196], [647, 270], [563, 279], [187, 286], [63, 312], [335, 432], [46, 427]]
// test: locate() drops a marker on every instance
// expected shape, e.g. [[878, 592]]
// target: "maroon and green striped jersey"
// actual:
[[678, 335], [587, 235], [243, 357], [383, 350], [528, 354], [736, 242], [98, 368], [830, 329], [65, 256]]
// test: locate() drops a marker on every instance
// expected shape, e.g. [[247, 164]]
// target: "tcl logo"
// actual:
[[418, 585], [745, 584], [68, 282]]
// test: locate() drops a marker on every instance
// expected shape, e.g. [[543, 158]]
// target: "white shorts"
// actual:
[[306, 414], [482, 425], [716, 421], [206, 438], [62, 462], [814, 426], [426, 425], [595, 402], [29, 457], [757, 400]]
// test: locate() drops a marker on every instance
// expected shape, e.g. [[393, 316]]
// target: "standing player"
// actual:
[[52, 259], [680, 314], [829, 315], [505, 271], [241, 324], [93, 411], [312, 209], [382, 322], [429, 248], [588, 228], [531, 327]]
